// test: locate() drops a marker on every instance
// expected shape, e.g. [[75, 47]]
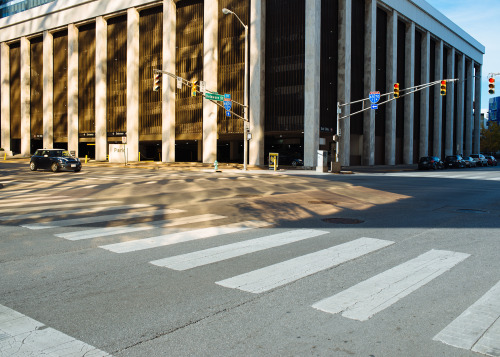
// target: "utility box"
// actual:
[[322, 165]]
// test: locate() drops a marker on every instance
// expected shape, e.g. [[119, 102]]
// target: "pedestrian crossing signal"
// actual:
[[156, 85], [396, 90], [443, 87], [491, 85]]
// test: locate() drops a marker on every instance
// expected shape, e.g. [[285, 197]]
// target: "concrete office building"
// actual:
[[79, 75]]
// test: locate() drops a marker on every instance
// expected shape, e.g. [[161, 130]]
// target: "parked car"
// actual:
[[491, 160], [480, 159], [454, 161], [469, 161], [55, 160], [290, 159], [430, 163]]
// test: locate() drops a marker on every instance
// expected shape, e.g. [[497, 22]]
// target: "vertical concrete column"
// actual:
[[210, 28], [409, 100], [370, 75], [132, 84], [424, 96], [460, 105], [344, 78], [73, 88], [48, 90], [392, 75], [5, 99], [438, 101], [477, 110], [450, 103], [469, 76], [312, 82], [101, 52], [168, 84], [257, 80], [25, 97]]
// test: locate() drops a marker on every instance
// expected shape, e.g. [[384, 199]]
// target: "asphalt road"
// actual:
[[136, 262]]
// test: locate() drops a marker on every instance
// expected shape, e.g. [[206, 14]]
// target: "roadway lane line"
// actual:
[[265, 279], [28, 199], [49, 200], [101, 208], [55, 207], [180, 237], [365, 299], [217, 254], [108, 231], [103, 218], [478, 328], [20, 335]]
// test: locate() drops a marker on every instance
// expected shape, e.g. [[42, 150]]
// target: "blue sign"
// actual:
[[227, 96], [228, 113], [374, 106], [228, 104], [374, 97]]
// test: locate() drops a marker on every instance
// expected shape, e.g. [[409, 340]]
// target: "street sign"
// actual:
[[374, 106], [203, 86], [228, 105], [228, 113], [374, 97], [214, 96], [179, 82]]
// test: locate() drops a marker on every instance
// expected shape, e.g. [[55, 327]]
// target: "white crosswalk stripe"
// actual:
[[23, 336], [100, 208], [212, 255], [59, 206], [180, 237], [365, 299], [108, 231], [101, 218], [477, 328], [276, 275]]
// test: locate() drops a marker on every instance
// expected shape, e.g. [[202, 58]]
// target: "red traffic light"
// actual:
[[491, 86], [396, 90], [443, 87]]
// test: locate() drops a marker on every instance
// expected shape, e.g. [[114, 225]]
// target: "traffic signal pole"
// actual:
[[406, 91]]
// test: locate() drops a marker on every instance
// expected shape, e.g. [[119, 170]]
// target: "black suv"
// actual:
[[454, 161], [55, 160]]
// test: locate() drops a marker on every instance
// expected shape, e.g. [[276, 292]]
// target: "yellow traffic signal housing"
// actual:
[[396, 90], [194, 89], [156, 85], [443, 87], [491, 85]]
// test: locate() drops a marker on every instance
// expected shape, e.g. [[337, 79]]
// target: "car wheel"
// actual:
[[33, 166], [54, 167]]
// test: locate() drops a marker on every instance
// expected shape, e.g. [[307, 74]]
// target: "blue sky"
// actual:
[[479, 18]]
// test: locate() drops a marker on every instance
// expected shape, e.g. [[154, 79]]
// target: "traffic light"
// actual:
[[443, 87], [194, 88], [491, 85], [156, 85], [396, 90]]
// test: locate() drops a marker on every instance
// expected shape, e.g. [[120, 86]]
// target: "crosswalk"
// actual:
[[477, 329]]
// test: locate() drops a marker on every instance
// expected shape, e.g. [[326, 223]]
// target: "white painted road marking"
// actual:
[[42, 201], [101, 208], [108, 231], [180, 237], [53, 207], [276, 275], [103, 218], [212, 255], [23, 336], [477, 328], [365, 299]]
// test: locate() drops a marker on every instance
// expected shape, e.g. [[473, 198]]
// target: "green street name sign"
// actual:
[[214, 96]]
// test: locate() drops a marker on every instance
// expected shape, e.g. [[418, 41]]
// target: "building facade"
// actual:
[[79, 75]]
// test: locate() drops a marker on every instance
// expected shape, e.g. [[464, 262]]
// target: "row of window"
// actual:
[[11, 7]]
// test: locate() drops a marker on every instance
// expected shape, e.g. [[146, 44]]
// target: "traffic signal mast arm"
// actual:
[[409, 91], [190, 84]]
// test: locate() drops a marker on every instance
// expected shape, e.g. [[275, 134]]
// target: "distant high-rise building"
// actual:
[[11, 7]]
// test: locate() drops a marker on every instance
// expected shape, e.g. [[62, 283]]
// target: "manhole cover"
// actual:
[[471, 210], [342, 220], [322, 203]]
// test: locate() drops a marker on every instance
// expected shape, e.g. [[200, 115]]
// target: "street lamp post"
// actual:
[[245, 91]]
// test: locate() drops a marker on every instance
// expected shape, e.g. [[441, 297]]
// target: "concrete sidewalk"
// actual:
[[196, 166]]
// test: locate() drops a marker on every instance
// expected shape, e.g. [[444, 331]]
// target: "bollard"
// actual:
[[216, 165], [274, 164], [5, 157], [139, 156], [85, 158]]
